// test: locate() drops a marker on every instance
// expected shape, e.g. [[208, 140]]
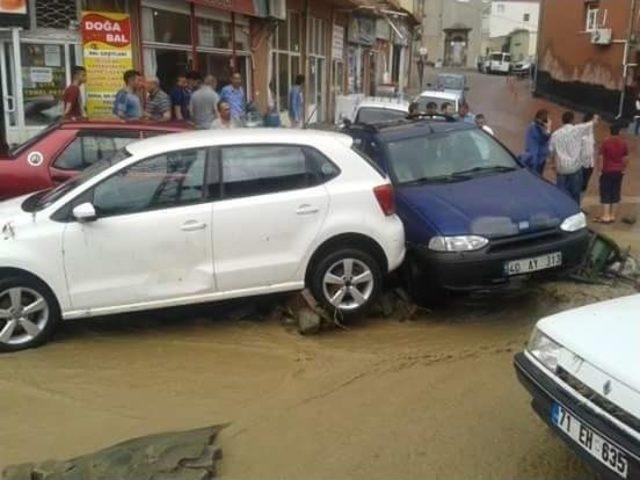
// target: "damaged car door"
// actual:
[[143, 235]]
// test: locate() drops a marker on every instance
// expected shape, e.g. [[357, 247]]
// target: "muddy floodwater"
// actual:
[[434, 397]]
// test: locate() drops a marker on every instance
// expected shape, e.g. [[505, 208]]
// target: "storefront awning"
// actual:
[[245, 7]]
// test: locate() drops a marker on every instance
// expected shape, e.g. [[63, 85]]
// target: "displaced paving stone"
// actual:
[[191, 455]]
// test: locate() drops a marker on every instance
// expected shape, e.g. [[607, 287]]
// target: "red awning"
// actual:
[[245, 7]]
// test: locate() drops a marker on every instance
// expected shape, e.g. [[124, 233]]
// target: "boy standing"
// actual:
[[614, 160], [72, 96]]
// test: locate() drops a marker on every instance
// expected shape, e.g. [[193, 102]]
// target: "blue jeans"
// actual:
[[571, 184]]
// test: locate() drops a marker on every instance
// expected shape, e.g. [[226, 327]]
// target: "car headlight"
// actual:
[[462, 243], [544, 349], [574, 223]]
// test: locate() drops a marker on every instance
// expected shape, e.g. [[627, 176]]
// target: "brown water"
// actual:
[[432, 397]]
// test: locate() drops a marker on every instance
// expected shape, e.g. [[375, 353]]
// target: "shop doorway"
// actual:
[[170, 64]]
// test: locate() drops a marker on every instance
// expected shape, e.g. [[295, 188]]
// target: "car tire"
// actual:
[[349, 293], [420, 286], [29, 313]]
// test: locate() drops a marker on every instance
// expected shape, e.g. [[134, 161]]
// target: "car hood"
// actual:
[[493, 206], [606, 335]]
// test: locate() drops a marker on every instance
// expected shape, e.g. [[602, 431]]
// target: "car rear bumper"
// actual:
[[546, 392], [485, 269]]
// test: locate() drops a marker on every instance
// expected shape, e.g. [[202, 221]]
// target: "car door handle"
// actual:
[[193, 226], [307, 210]]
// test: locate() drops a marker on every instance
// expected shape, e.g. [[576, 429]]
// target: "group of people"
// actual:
[[193, 98], [575, 154], [447, 109]]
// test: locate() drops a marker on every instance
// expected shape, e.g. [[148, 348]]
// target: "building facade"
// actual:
[[588, 55], [513, 28], [341, 46], [452, 31]]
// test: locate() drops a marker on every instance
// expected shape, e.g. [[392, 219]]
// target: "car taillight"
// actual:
[[386, 199]]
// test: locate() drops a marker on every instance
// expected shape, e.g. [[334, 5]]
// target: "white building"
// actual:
[[514, 25]]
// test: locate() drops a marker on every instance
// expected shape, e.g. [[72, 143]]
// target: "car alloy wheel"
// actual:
[[24, 315], [348, 284]]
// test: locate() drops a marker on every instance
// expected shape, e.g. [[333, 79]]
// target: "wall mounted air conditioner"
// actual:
[[601, 36], [277, 9]]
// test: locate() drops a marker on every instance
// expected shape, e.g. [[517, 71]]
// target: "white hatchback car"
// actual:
[[582, 368], [198, 217]]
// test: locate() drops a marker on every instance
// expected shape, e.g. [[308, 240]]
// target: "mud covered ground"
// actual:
[[428, 398], [435, 397]]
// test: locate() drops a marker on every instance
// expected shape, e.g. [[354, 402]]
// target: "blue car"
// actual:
[[474, 217]]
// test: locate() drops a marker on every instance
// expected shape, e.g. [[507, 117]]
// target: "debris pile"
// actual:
[[191, 455]]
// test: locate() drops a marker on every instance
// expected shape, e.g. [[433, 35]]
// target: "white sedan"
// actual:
[[582, 368], [194, 218]]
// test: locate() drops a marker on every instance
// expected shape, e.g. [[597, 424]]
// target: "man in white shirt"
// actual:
[[565, 147], [587, 154]]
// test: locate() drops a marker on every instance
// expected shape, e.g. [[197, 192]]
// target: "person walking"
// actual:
[[481, 122], [537, 138], [203, 105], [72, 95], [296, 103], [158, 105], [233, 94], [614, 160], [587, 154], [180, 96], [127, 105], [565, 146], [225, 119]]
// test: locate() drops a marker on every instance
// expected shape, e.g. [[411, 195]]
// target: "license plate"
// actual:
[[528, 265], [601, 449]]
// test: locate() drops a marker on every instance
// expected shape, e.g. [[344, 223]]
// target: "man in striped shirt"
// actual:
[[565, 147], [158, 106]]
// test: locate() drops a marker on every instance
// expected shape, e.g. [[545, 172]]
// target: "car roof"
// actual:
[[407, 128], [440, 94], [241, 136], [114, 124], [386, 105]]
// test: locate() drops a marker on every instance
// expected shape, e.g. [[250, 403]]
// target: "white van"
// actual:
[[497, 62]]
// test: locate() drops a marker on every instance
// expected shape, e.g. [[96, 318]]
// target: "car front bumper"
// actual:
[[485, 269], [546, 392]]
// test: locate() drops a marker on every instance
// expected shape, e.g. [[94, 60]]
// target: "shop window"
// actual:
[[165, 27], [214, 33], [43, 81], [56, 13], [242, 37]]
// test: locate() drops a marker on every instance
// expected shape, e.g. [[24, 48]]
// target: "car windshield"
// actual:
[[377, 115], [41, 200], [447, 157], [451, 82]]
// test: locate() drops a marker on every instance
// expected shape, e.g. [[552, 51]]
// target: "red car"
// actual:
[[64, 149]]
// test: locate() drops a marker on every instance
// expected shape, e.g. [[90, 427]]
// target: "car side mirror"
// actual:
[[85, 213], [346, 123]]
